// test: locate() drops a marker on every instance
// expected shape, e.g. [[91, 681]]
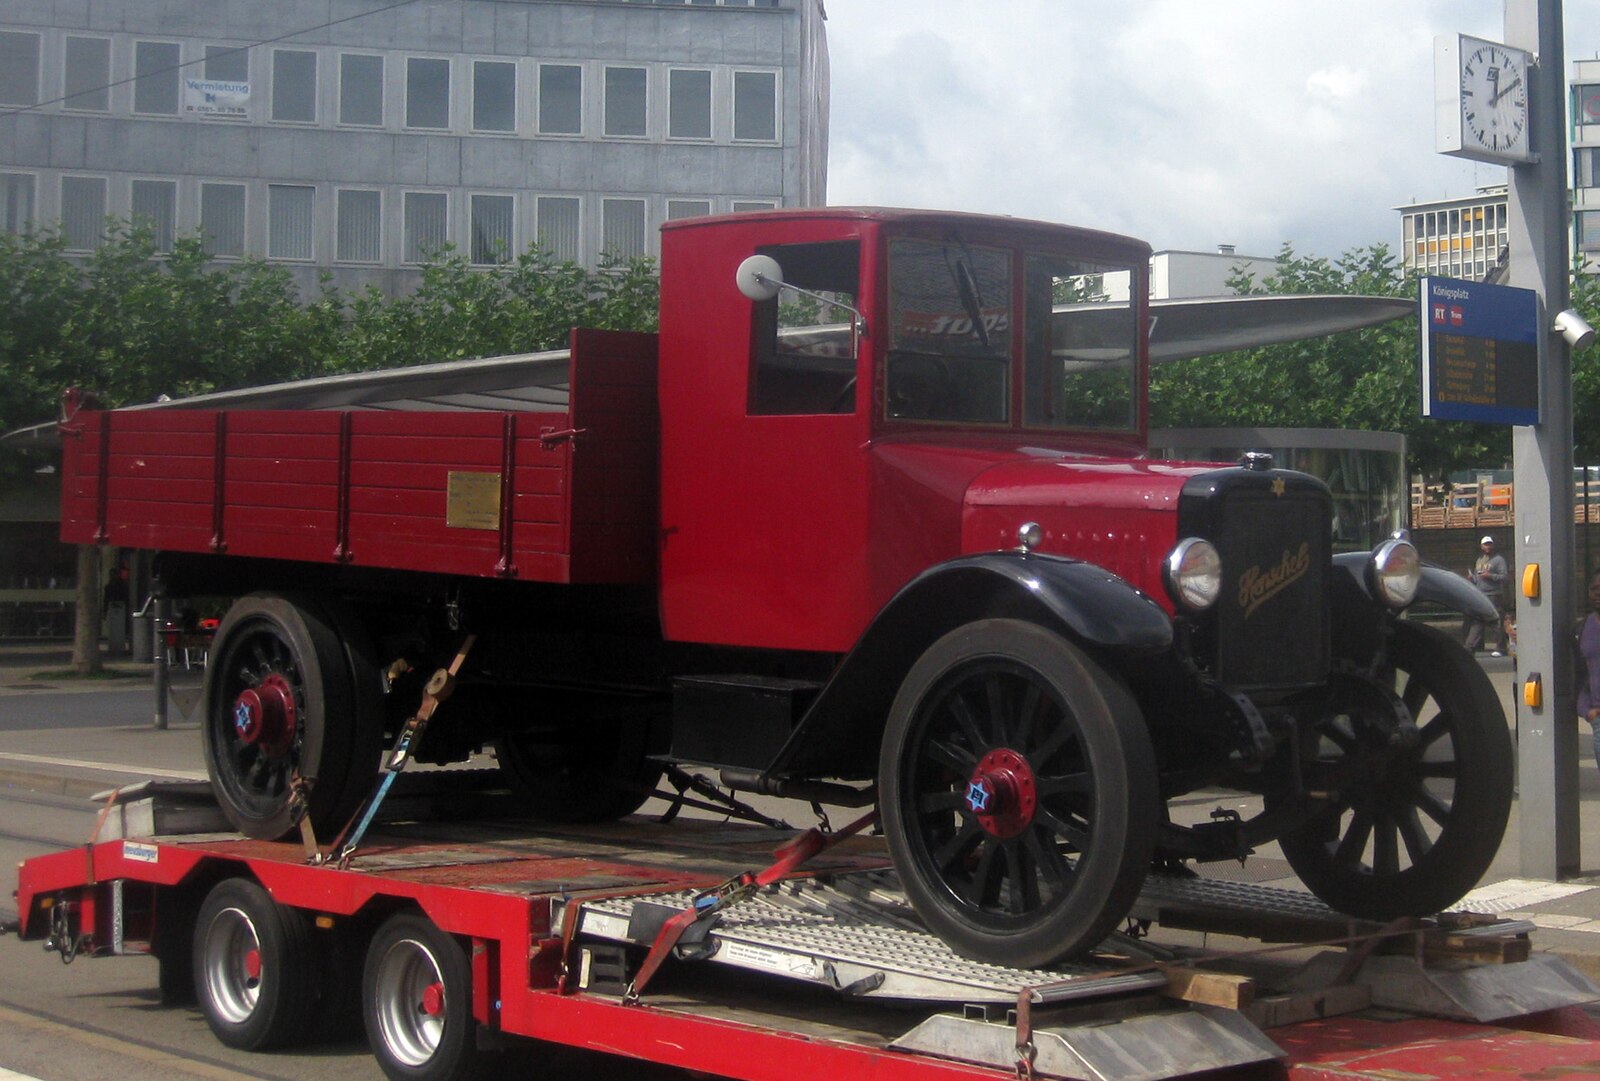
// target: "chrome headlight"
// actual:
[[1396, 571], [1194, 574]]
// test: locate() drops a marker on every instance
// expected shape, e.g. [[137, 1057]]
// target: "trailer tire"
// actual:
[[279, 698], [416, 1003], [1050, 853], [255, 970]]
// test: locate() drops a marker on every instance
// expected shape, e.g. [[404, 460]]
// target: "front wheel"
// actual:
[[417, 1003], [1018, 792], [1415, 819]]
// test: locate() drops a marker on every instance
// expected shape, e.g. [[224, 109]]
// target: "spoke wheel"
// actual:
[[1415, 822], [591, 769], [279, 702], [255, 971], [1018, 792], [417, 1003]]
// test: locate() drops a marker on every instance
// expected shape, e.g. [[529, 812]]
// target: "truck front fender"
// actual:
[[1438, 586], [840, 732]]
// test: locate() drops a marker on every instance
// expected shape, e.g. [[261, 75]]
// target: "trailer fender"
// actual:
[[839, 734], [1438, 586]]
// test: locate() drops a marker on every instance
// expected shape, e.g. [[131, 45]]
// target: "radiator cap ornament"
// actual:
[[1258, 460]]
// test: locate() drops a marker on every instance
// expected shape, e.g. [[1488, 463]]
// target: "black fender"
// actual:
[[840, 732], [1438, 586]]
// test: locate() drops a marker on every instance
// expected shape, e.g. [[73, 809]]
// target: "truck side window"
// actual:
[[949, 332], [803, 352], [1080, 345]]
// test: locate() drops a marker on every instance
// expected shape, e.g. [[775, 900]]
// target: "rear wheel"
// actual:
[[592, 769], [1018, 791], [417, 1003], [255, 970], [1414, 822]]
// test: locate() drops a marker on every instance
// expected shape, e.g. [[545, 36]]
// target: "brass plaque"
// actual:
[[472, 501]]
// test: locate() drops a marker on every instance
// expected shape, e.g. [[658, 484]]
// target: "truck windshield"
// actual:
[[949, 353], [1080, 345]]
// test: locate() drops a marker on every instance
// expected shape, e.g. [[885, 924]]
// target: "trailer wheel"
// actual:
[[1415, 823], [595, 771], [417, 1003], [278, 702], [1017, 786], [255, 970]]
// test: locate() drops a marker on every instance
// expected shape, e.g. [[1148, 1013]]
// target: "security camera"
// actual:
[[1575, 328]]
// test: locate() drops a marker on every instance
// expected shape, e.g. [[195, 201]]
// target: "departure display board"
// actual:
[[1480, 352]]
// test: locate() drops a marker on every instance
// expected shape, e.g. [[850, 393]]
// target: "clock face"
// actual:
[[1494, 99]]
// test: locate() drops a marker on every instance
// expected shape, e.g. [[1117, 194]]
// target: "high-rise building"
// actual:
[[357, 136], [1455, 238]]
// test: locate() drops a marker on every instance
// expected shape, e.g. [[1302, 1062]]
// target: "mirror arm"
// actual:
[[860, 318]]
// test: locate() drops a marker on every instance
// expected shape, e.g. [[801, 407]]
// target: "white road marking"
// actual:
[[78, 763]]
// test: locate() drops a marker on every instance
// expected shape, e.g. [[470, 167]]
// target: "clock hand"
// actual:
[[1503, 91]]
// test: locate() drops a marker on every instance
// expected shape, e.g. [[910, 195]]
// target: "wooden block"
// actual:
[[1274, 1010], [1211, 988]]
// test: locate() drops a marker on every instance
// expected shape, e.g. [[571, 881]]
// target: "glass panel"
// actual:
[[689, 102], [494, 96], [755, 105], [19, 68], [803, 355], [155, 204], [360, 226], [1586, 167], [427, 93], [227, 64], [745, 206], [1080, 345], [16, 202], [622, 228], [222, 218], [426, 225], [625, 101], [1589, 230], [1586, 104], [361, 89], [687, 208], [949, 332], [492, 217], [155, 70], [294, 86], [88, 73], [560, 99], [290, 210], [558, 227], [83, 211]]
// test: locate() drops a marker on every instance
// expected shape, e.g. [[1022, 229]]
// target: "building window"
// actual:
[[560, 99], [223, 86], [494, 96], [1589, 230], [625, 102], [155, 77], [1586, 167], [222, 219], [83, 211], [361, 90], [88, 74], [557, 226], [227, 64], [687, 208], [19, 68], [622, 228], [155, 206], [426, 225], [427, 93], [755, 106], [689, 104], [294, 86], [360, 226], [290, 209], [492, 218], [742, 206], [1586, 104], [16, 202]]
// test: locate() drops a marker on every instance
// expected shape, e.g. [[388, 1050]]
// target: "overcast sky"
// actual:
[[1187, 123]]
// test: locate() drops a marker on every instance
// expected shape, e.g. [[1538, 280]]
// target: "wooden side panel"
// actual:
[[160, 480], [80, 478], [280, 484]]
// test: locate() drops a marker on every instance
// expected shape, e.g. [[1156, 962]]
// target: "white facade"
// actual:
[[1180, 274]]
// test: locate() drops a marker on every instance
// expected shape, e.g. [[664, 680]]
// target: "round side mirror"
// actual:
[[759, 277]]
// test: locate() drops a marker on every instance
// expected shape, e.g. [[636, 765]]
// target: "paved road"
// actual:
[[29, 709]]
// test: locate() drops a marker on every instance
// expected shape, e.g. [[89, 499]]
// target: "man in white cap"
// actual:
[[1489, 575]]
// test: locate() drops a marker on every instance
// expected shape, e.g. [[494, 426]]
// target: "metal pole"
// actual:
[[1547, 751], [158, 654]]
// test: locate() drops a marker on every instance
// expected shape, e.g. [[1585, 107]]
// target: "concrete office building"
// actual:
[[356, 135], [1455, 238]]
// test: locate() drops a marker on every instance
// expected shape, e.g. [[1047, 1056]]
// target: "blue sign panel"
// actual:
[[1480, 352]]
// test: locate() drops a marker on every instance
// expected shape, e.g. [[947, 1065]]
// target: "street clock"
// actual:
[[1481, 100]]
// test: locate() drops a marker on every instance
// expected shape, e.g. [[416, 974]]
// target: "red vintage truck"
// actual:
[[869, 520]]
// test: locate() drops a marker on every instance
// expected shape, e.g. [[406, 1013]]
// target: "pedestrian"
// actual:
[[1489, 575], [1586, 660]]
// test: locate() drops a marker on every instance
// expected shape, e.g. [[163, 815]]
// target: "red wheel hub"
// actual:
[[433, 999], [264, 715], [1002, 793], [252, 965]]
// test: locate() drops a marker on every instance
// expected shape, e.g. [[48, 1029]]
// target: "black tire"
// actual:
[[591, 770], [416, 1003], [279, 660], [1414, 826], [1060, 748], [255, 968]]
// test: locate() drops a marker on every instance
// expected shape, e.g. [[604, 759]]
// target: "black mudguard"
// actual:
[[839, 734], [1438, 586]]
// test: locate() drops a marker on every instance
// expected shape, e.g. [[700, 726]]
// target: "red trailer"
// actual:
[[455, 936]]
